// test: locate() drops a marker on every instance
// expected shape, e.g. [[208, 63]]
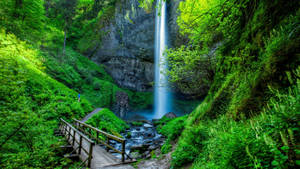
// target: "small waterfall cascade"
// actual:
[[162, 94]]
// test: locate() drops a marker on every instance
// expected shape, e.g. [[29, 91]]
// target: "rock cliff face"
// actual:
[[127, 49]]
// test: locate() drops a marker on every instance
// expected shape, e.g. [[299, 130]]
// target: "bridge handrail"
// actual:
[[81, 135], [79, 124], [77, 131], [119, 139]]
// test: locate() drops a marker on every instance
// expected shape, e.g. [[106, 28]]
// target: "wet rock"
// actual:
[[140, 148], [121, 106], [139, 118], [148, 134], [148, 156], [135, 155], [152, 147], [144, 139], [147, 125], [148, 141], [170, 115]]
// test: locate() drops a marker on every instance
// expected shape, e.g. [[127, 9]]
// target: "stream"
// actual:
[[140, 141]]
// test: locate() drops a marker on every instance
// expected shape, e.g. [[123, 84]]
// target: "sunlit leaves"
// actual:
[[29, 107], [24, 18]]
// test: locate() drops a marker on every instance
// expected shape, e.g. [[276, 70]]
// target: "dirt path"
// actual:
[[91, 114]]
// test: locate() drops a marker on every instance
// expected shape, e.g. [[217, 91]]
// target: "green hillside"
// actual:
[[31, 104], [250, 116]]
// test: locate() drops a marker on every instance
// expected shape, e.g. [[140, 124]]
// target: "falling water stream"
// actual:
[[146, 135], [162, 95]]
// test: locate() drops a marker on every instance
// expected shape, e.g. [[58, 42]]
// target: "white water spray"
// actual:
[[162, 95]]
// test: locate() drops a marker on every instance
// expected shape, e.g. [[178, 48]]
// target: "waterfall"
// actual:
[[162, 95]]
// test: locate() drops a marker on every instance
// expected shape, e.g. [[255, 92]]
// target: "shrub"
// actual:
[[108, 121]]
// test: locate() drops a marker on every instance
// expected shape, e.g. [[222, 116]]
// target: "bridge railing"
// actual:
[[72, 135], [95, 133]]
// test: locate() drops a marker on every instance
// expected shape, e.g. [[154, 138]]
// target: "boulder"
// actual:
[[141, 148], [152, 147], [121, 106], [146, 125], [135, 155], [170, 115]]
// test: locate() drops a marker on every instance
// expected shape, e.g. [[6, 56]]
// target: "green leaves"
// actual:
[[30, 104], [25, 18], [108, 121]]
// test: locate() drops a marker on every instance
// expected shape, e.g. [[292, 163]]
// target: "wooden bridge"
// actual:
[[86, 142]]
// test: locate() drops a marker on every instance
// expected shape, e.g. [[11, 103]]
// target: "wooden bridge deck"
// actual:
[[100, 158]]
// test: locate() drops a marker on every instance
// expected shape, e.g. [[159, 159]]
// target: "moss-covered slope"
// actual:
[[249, 117], [30, 107]]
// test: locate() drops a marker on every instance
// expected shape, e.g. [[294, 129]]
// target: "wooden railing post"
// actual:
[[69, 134], [62, 128], [80, 144], [123, 151], [67, 128], [90, 154], [97, 136], [107, 142], [73, 141]]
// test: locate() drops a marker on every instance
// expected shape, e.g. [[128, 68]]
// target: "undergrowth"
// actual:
[[107, 121], [30, 107], [248, 118]]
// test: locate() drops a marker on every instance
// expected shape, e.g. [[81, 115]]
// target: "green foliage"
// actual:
[[31, 104], [146, 4], [136, 123], [189, 144], [84, 76], [266, 141], [88, 35], [25, 18], [190, 70], [234, 127], [171, 128], [107, 121], [166, 147]]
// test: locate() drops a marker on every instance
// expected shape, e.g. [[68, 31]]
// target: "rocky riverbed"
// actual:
[[141, 139]]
